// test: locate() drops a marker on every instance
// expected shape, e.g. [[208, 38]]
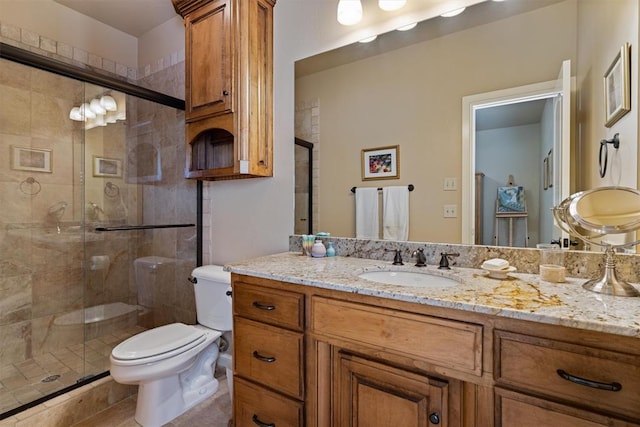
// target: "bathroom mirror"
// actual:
[[595, 214], [409, 92]]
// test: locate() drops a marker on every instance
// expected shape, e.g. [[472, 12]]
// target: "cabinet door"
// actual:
[[371, 394], [209, 60]]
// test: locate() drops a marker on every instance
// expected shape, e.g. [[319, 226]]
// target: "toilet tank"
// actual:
[[213, 305]]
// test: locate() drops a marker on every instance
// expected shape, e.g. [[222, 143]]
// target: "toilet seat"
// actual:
[[157, 344]]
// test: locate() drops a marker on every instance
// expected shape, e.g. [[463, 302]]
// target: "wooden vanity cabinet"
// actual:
[[229, 88], [357, 360]]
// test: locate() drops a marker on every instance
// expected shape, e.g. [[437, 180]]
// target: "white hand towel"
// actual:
[[367, 224], [395, 213]]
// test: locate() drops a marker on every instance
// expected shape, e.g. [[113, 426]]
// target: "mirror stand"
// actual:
[[603, 211], [608, 283]]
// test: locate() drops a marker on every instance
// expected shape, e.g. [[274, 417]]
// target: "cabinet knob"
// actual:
[[434, 418], [225, 92]]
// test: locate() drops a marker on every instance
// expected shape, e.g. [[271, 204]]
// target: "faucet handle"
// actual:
[[444, 260]]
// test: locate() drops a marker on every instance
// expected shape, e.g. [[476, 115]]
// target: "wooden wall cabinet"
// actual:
[[229, 88]]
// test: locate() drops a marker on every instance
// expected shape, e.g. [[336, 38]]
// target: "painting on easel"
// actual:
[[511, 199]]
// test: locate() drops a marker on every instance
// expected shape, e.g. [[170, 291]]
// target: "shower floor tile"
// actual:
[[23, 382]]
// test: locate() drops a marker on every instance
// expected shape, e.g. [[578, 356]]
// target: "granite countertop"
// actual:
[[519, 296]]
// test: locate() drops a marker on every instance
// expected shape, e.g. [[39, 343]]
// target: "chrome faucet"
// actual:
[[421, 259]]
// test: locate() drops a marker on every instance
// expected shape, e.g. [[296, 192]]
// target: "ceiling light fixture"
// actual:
[[349, 12], [407, 27], [390, 5], [453, 12]]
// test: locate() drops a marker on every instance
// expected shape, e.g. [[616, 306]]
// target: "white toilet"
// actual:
[[174, 364]]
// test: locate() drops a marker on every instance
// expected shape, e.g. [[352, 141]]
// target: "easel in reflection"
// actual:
[[511, 205]]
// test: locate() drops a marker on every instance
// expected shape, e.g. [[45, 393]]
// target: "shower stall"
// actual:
[[91, 180]]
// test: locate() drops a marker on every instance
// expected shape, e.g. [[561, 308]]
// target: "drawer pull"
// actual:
[[589, 383], [263, 358], [434, 418], [257, 421], [265, 307]]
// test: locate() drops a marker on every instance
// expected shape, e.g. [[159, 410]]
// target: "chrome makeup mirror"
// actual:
[[595, 213]]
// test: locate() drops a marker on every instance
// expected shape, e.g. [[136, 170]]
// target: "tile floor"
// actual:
[[213, 412], [31, 379]]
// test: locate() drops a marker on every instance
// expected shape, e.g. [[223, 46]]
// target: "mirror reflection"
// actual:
[[408, 89]]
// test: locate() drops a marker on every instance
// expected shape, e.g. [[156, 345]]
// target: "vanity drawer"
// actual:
[[273, 306], [587, 376], [255, 406], [447, 343], [269, 355]]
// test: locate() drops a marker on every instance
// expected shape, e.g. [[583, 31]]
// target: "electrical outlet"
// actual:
[[450, 211], [450, 184]]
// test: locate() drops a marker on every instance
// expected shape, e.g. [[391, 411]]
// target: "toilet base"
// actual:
[[162, 400]]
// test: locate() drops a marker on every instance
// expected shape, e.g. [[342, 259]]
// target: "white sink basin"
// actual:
[[408, 278]]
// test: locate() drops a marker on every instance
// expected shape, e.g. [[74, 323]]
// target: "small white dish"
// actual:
[[499, 273]]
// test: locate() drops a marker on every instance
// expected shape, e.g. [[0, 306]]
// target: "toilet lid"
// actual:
[[157, 341]]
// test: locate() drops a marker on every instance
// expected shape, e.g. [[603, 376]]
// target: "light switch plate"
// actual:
[[450, 211], [450, 184]]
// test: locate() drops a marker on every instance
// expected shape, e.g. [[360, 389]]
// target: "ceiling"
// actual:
[[134, 17]]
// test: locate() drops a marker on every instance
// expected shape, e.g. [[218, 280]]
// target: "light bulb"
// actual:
[[76, 115], [368, 39], [108, 103], [96, 107], [390, 5], [407, 27], [349, 12], [86, 112], [453, 12]]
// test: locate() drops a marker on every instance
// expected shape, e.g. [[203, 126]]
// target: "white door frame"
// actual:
[[470, 104]]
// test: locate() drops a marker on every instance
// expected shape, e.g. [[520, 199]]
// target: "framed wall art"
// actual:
[[31, 159], [617, 87], [381, 163], [105, 167]]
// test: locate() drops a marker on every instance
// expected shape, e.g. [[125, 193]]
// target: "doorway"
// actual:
[[495, 129]]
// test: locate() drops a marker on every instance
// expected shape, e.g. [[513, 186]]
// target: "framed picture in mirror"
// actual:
[[381, 163], [105, 167], [30, 159], [617, 88]]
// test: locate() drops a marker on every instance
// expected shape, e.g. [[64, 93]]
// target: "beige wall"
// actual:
[[594, 57], [412, 97]]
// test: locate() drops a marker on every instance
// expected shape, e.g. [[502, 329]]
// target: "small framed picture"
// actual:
[[31, 159], [381, 163], [103, 166], [617, 87]]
